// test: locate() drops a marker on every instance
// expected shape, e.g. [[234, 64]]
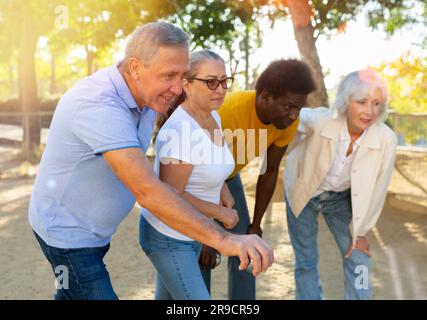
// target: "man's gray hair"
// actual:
[[145, 40], [357, 85]]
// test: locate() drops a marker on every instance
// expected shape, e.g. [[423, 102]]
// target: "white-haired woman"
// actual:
[[340, 164]]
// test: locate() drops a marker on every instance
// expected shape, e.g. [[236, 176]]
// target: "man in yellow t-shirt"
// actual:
[[261, 122]]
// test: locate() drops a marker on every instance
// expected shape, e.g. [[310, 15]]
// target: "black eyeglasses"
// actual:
[[212, 84]]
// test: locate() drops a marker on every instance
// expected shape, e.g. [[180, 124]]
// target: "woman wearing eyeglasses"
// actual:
[[192, 157]]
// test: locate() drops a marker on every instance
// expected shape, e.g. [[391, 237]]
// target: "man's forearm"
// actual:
[[133, 168], [135, 171], [173, 210], [264, 192]]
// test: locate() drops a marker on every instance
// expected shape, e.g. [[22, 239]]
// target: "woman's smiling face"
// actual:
[[364, 111]]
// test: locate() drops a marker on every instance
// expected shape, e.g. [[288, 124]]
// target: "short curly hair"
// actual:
[[283, 76]]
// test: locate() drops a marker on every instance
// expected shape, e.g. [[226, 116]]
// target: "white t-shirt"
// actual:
[[182, 138]]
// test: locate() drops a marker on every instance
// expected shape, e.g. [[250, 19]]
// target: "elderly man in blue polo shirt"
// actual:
[[94, 166]]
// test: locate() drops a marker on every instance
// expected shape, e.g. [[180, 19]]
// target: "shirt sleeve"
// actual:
[[105, 128], [310, 116]]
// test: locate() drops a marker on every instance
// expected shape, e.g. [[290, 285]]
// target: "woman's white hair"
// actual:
[[358, 85], [145, 40]]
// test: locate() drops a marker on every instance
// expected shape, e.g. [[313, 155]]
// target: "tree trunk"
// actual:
[[89, 61], [12, 79], [246, 50], [52, 88], [28, 85], [230, 61], [95, 66], [301, 13], [233, 68]]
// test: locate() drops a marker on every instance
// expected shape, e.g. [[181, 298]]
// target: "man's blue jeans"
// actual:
[[241, 284], [81, 273], [176, 262], [337, 211]]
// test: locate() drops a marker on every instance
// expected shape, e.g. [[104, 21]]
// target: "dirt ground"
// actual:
[[398, 243]]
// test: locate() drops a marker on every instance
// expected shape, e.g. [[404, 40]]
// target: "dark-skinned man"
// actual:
[[255, 123]]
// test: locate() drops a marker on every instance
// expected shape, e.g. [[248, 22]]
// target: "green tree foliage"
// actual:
[[330, 16], [28, 20], [392, 15], [407, 83], [95, 25], [227, 24]]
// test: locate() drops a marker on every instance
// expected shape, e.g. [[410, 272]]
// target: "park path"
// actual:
[[399, 246]]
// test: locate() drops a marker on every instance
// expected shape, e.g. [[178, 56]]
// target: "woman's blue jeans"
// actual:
[[337, 211], [176, 262], [241, 283]]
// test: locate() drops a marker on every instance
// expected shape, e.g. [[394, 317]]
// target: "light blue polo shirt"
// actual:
[[77, 200]]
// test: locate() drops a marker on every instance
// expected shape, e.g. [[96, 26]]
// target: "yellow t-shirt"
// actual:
[[238, 117]]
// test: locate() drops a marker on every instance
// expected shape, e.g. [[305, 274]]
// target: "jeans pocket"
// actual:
[[360, 254], [86, 263], [151, 239], [144, 241]]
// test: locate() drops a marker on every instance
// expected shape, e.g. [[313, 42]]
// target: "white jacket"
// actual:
[[311, 155]]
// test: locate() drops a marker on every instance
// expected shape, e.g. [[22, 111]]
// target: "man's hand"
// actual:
[[249, 248], [362, 244], [227, 199], [208, 257], [255, 229], [228, 217]]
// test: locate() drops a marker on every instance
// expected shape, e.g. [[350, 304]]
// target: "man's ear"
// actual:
[[186, 87], [134, 66], [265, 96]]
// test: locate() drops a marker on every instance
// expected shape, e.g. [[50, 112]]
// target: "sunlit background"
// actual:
[[46, 46]]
